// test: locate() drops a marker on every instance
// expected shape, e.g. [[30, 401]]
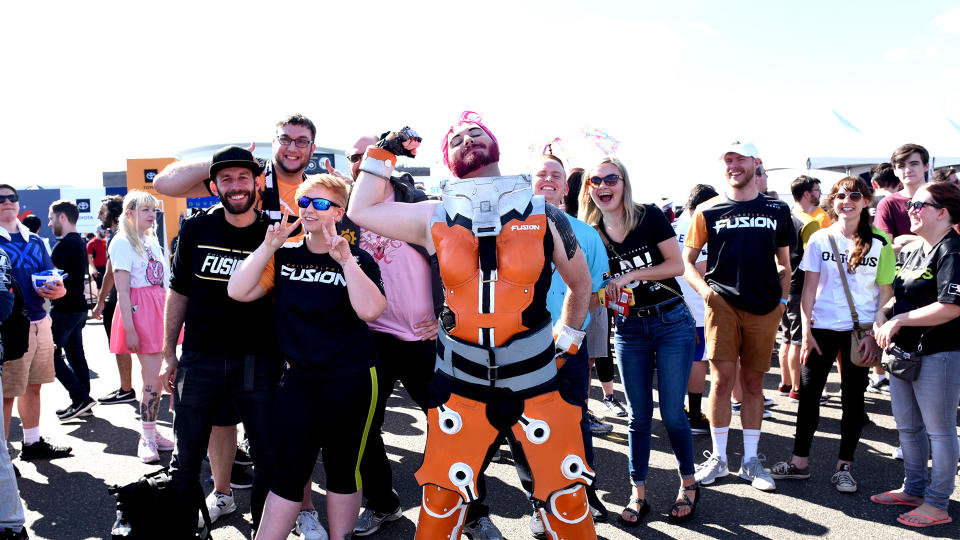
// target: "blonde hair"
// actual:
[[128, 225], [328, 181], [589, 212]]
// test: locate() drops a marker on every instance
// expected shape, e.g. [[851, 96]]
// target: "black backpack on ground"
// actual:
[[152, 509], [16, 328]]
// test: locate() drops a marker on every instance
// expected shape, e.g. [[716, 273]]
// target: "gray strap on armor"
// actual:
[[515, 351]]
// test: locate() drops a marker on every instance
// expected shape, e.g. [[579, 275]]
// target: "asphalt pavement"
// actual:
[[67, 499]]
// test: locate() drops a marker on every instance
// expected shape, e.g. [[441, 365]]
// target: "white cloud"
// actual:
[[896, 55], [948, 21]]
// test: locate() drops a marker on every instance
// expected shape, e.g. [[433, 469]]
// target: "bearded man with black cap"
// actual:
[[229, 363]]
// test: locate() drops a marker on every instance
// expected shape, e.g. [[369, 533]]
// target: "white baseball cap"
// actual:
[[743, 148]]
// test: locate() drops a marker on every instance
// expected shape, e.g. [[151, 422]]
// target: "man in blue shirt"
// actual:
[[23, 377]]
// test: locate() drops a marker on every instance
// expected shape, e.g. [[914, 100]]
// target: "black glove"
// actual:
[[395, 145]]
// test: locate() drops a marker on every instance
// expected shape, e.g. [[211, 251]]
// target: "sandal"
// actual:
[[636, 514], [892, 498], [672, 517]]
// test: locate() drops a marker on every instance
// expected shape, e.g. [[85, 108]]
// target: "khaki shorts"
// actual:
[[36, 365], [733, 333]]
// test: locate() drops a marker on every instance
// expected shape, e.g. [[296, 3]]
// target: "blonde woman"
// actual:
[[140, 273]]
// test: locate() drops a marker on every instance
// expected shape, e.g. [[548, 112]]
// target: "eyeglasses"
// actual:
[[13, 197], [319, 203], [457, 140], [918, 205], [301, 142], [854, 195], [610, 180], [355, 157]]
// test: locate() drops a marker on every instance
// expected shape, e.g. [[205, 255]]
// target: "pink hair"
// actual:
[[466, 117]]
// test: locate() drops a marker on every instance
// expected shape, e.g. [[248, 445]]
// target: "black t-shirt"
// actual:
[[317, 328], [922, 280], [742, 238], [70, 256], [208, 252], [639, 250]]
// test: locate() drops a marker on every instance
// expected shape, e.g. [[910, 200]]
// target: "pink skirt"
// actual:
[[147, 306]]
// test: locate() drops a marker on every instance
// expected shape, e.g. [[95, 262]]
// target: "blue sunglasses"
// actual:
[[319, 203]]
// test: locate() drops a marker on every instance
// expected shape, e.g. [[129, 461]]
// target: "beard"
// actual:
[[234, 208], [748, 176], [475, 160], [278, 161]]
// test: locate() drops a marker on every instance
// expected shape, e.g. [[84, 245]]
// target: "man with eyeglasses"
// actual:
[[747, 235], [497, 359], [23, 377], [220, 380], [405, 336]]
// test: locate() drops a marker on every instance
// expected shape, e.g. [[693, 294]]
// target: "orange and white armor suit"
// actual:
[[497, 362]]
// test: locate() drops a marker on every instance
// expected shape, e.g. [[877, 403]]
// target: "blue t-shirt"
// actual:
[[596, 255], [27, 255]]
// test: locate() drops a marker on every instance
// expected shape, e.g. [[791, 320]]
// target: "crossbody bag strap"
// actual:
[[843, 279]]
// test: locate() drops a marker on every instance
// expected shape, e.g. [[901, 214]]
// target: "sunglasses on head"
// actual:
[[918, 205], [319, 203], [854, 195], [13, 197], [610, 180]]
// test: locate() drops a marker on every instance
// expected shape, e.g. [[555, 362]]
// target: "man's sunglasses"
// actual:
[[610, 180], [13, 197], [854, 195], [918, 205], [354, 157], [318, 203]]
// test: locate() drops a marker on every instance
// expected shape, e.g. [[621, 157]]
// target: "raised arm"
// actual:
[[183, 179]]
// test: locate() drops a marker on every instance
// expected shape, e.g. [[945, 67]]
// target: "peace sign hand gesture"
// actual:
[[339, 247], [278, 233]]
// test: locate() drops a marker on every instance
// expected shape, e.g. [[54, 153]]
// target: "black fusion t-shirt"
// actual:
[[923, 279], [742, 238], [317, 328], [208, 252], [70, 256], [639, 249]]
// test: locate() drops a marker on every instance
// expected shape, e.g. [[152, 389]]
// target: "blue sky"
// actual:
[[91, 85]]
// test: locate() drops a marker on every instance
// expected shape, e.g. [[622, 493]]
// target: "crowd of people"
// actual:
[[491, 306]]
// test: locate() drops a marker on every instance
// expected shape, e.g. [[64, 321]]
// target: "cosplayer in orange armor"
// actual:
[[497, 357]]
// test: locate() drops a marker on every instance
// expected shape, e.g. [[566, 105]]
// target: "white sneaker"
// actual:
[[897, 453], [218, 505], [759, 477], [536, 525], [308, 526], [713, 468], [164, 444], [147, 451]]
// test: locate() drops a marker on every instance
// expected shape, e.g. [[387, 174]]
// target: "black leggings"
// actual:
[[813, 377], [605, 364]]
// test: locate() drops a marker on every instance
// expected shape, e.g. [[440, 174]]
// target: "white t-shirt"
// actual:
[[830, 310], [148, 270], [694, 301]]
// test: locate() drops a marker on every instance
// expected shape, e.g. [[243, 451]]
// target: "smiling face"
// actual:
[[314, 220], [927, 218], [291, 158], [550, 182], [911, 170], [236, 189], [739, 169], [469, 148], [609, 199], [846, 207]]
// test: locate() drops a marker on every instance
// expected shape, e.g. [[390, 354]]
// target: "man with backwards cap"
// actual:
[[497, 360], [229, 364], [747, 235]]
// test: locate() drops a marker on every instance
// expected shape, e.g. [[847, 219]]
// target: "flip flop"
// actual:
[[897, 500], [933, 521], [637, 514]]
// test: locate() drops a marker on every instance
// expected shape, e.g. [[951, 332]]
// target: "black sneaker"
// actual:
[[239, 477], [118, 396], [44, 450], [699, 425], [76, 410], [242, 457], [10, 534]]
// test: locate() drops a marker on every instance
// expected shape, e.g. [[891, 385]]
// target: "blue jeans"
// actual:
[[11, 509], [67, 331], [928, 407], [664, 341]]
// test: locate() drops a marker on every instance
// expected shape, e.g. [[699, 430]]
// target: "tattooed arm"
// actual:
[[572, 266]]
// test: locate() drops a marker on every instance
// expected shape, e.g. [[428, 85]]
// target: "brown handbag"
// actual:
[[860, 331]]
